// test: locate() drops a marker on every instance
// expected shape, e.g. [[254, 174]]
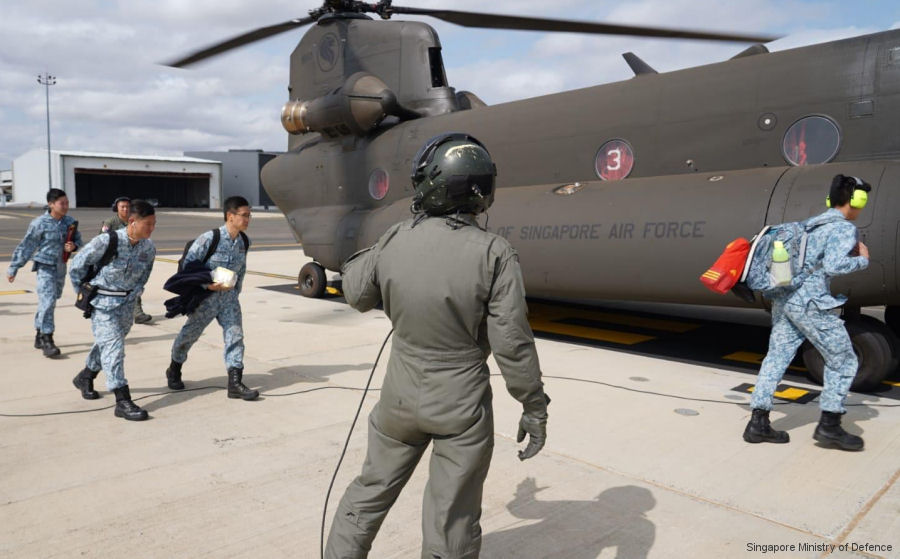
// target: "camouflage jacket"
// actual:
[[44, 242], [128, 271], [829, 251], [230, 254]]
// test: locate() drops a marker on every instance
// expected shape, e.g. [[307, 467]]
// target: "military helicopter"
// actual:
[[622, 191]]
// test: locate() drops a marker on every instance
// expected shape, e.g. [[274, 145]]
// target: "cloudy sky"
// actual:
[[112, 95]]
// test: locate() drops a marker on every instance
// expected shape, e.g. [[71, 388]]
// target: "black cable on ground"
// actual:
[[652, 393], [268, 395], [110, 406], [367, 389]]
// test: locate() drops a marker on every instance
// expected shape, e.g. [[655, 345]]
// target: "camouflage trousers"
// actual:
[[791, 324], [451, 507], [50, 282], [226, 309], [108, 352]]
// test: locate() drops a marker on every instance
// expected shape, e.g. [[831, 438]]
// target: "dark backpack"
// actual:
[[112, 250], [213, 245], [87, 292]]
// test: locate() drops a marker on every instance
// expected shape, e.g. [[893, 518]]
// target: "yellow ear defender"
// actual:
[[858, 200]]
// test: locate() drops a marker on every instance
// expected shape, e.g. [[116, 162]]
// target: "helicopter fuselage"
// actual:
[[709, 152]]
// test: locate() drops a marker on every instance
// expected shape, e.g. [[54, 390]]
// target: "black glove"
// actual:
[[534, 423]]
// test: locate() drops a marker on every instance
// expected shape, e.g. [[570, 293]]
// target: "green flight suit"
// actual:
[[113, 224], [453, 294]]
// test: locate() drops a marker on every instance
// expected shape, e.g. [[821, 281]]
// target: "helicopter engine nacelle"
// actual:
[[354, 108]]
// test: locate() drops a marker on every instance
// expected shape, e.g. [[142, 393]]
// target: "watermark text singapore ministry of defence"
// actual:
[[776, 548]]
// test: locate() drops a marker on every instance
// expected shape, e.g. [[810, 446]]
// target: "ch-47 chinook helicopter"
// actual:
[[623, 191]]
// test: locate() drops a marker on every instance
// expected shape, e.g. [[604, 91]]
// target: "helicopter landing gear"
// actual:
[[311, 280], [892, 318], [876, 346]]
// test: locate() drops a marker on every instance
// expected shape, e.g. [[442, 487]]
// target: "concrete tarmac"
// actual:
[[644, 457]]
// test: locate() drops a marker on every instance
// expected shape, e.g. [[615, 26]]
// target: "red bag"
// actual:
[[70, 237], [727, 269]]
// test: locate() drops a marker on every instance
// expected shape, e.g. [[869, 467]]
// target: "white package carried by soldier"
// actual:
[[224, 276]]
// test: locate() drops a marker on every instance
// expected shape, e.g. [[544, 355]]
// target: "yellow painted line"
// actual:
[[624, 338], [16, 292], [267, 275], [891, 382], [28, 216], [11, 238], [550, 313], [251, 272], [745, 357], [332, 291], [273, 245], [756, 359], [277, 245], [792, 393], [788, 394]]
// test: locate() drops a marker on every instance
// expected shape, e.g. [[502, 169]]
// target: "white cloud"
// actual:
[[111, 94]]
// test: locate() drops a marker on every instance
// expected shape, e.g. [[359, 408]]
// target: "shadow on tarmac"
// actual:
[[616, 518], [266, 383]]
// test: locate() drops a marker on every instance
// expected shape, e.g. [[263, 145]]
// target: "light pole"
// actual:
[[47, 80]]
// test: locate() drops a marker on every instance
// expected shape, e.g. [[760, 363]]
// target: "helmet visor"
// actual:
[[461, 186]]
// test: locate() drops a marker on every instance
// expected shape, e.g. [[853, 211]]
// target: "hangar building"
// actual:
[[95, 179], [240, 173]]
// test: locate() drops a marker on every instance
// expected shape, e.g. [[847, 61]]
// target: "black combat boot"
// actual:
[[140, 317], [37, 340], [84, 381], [236, 388], [830, 432], [759, 430], [125, 407], [47, 345], [173, 376]]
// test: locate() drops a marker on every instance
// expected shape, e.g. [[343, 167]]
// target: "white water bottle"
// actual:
[[781, 265]]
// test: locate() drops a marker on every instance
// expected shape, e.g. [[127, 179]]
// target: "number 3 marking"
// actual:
[[617, 160]]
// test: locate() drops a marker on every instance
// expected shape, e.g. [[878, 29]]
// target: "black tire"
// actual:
[[872, 348], [892, 340], [311, 280]]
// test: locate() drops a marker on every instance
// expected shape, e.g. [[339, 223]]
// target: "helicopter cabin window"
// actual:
[[614, 160], [811, 140], [438, 77], [378, 184]]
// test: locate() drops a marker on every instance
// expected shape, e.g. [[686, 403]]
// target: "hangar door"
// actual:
[[99, 187]]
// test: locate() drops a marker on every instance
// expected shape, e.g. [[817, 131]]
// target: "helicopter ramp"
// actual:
[[644, 457]]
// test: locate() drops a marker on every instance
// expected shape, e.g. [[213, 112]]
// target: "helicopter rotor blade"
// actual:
[[494, 21], [240, 40]]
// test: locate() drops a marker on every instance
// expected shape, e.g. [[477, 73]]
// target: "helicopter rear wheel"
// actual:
[[873, 343], [311, 280]]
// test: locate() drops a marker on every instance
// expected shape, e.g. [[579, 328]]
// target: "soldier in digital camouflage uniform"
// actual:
[[45, 243], [810, 312], [120, 283], [122, 206], [454, 294], [223, 305]]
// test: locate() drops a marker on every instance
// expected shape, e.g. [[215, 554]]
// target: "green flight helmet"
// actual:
[[453, 172]]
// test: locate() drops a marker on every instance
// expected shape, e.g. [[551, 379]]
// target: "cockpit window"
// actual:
[[438, 76], [378, 184], [811, 140]]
